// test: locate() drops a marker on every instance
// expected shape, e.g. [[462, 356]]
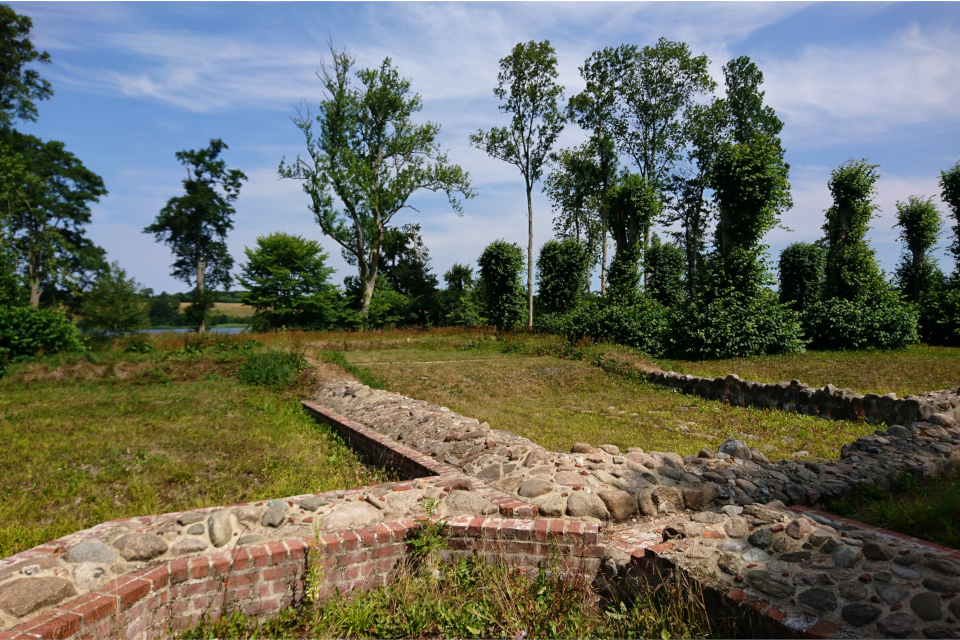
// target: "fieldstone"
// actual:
[[581, 504], [926, 604], [354, 514], [534, 488], [761, 538], [756, 454], [26, 595], [897, 625], [645, 498], [706, 453], [755, 555], [736, 527], [581, 447], [758, 514], [220, 527], [277, 504], [730, 563], [735, 449], [667, 500], [892, 593], [860, 614], [939, 631], [819, 537], [800, 527], [190, 518], [819, 599], [468, 503], [312, 503], [877, 551], [251, 538], [943, 420], [272, 517], [140, 546], [248, 516], [796, 556], [196, 530], [620, 504], [853, 591], [552, 505], [909, 559], [700, 497], [784, 544], [905, 573], [707, 517], [91, 551], [770, 583], [954, 606], [942, 565], [847, 556], [569, 479], [89, 576], [731, 510], [612, 449], [537, 456], [491, 473], [188, 545], [830, 546], [941, 584], [732, 545]]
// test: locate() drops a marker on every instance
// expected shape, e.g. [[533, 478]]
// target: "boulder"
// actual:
[[350, 515], [581, 504], [91, 551], [26, 595], [140, 546], [620, 504], [667, 500], [534, 488], [467, 503], [735, 449]]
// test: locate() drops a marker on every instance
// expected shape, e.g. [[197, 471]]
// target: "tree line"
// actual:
[[663, 150]]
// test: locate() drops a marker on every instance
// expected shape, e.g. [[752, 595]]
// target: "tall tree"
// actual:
[[19, 86], [561, 271], [45, 207], [664, 262], [527, 88], [801, 274], [406, 266], [920, 226], [195, 224], [372, 157], [950, 194], [632, 206], [501, 264], [114, 305], [749, 117], [595, 110]]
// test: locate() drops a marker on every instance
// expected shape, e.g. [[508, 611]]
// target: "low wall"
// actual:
[[826, 402]]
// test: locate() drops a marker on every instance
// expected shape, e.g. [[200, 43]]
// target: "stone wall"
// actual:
[[828, 402]]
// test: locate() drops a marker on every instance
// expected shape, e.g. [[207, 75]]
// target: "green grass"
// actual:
[[917, 369], [110, 435], [471, 599], [928, 510], [559, 401]]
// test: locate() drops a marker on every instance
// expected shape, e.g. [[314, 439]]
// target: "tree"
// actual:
[[287, 281], [527, 88], [561, 272], [406, 266], [749, 117], [950, 194], [920, 226], [631, 208], [370, 155], [45, 196], [665, 266], [195, 224], [801, 275], [457, 303], [114, 305], [501, 265], [624, 289], [19, 87]]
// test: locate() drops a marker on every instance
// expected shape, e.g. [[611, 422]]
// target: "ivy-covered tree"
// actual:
[[801, 267], [950, 194], [561, 274], [369, 157], [501, 265], [920, 226], [195, 225], [665, 263], [528, 91], [632, 206]]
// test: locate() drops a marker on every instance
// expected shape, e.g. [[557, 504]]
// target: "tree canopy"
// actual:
[[19, 86]]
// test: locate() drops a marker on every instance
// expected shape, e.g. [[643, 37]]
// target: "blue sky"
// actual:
[[136, 82]]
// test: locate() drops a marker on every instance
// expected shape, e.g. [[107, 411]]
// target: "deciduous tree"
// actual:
[[501, 265], [114, 304], [920, 226], [19, 86]]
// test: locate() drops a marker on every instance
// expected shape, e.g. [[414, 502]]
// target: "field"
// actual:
[[232, 309]]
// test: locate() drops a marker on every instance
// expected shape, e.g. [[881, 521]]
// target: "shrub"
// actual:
[[623, 278], [665, 264], [502, 292], [115, 305], [883, 321], [274, 369], [643, 325], [939, 316], [26, 332], [734, 325], [801, 274], [561, 274]]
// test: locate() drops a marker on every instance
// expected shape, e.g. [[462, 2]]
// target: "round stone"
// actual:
[[730, 563], [569, 479], [877, 551], [761, 538], [927, 605], [277, 504], [736, 527], [24, 596], [905, 573], [534, 488], [897, 625], [735, 449], [892, 593], [770, 583], [938, 631], [941, 584], [853, 590], [140, 546], [313, 503], [196, 530], [860, 614], [800, 527], [819, 598], [847, 556], [620, 504], [220, 527], [582, 504], [188, 546], [458, 502], [272, 517], [91, 551]]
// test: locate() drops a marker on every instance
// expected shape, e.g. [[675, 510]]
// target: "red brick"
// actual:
[[130, 591], [663, 547], [710, 533], [540, 529], [159, 577], [239, 559], [195, 588], [330, 543], [822, 629], [62, 625], [94, 607], [351, 573], [386, 551], [242, 579], [199, 567], [349, 539], [382, 533], [367, 537], [259, 556], [491, 528], [475, 527], [278, 573], [775, 614], [179, 571], [297, 549], [756, 604], [737, 595]]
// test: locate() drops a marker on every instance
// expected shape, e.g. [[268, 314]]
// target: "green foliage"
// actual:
[[631, 207], [26, 332], [623, 279], [164, 311], [881, 321], [405, 264], [195, 225], [950, 194], [19, 87], [939, 315], [114, 305], [561, 274], [201, 304], [371, 157], [920, 226], [458, 304], [748, 117], [665, 267], [286, 281], [734, 325], [801, 268], [851, 267], [274, 369], [643, 325], [501, 264]]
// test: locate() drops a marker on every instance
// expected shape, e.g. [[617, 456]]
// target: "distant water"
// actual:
[[229, 330]]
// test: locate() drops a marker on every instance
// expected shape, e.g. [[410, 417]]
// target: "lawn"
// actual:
[[131, 435]]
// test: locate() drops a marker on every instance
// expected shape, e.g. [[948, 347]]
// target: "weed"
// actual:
[[274, 369], [139, 345]]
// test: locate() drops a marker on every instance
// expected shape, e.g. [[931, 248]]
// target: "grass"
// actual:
[[471, 599], [559, 401], [917, 369], [928, 510], [234, 309], [113, 435]]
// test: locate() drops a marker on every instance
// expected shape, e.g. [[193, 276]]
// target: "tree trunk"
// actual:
[[529, 258], [33, 267], [603, 264], [371, 282], [203, 319], [35, 293]]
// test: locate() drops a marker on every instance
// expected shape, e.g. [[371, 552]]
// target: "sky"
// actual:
[[136, 82]]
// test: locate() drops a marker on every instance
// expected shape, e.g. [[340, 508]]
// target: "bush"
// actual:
[[801, 269], [939, 316], [734, 325], [274, 369], [502, 292], [666, 263], [883, 321], [114, 305], [643, 325], [561, 274], [26, 332]]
